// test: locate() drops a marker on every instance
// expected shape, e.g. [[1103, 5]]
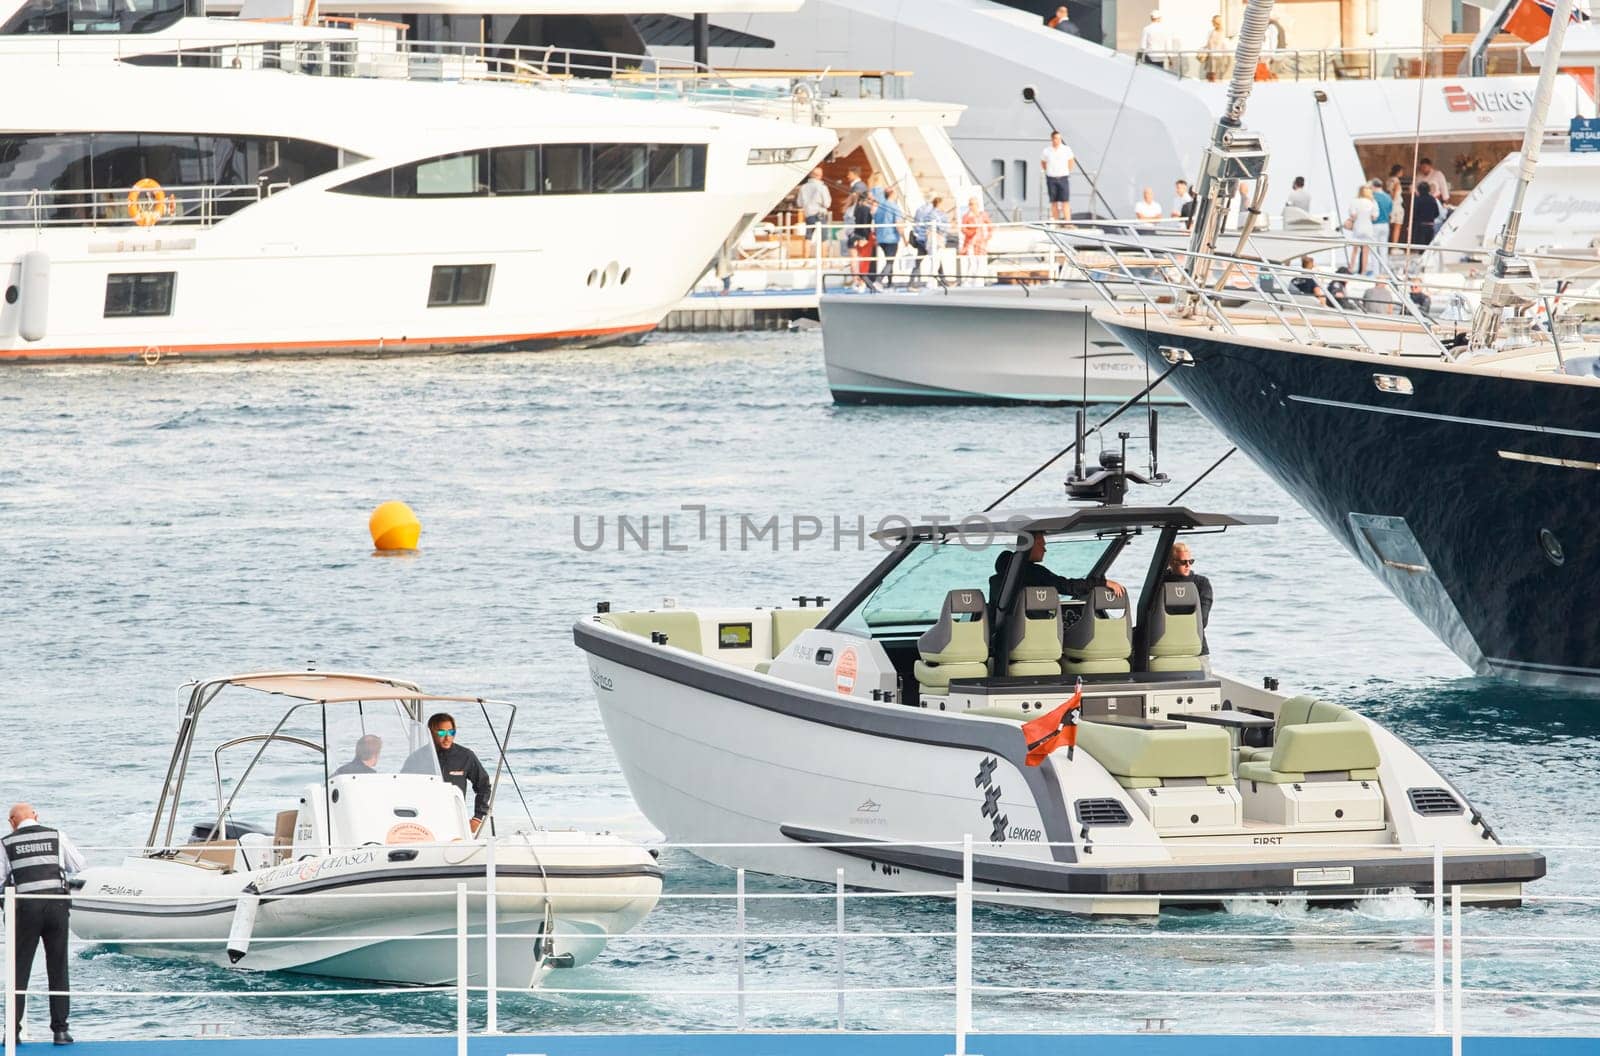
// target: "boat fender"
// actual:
[[35, 295], [244, 923]]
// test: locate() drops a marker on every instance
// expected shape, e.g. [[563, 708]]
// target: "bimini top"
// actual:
[[320, 685], [1070, 519]]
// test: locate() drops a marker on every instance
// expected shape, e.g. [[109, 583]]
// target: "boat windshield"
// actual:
[[908, 600], [378, 737]]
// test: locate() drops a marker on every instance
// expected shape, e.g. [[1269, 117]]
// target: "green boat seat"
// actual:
[[1033, 633], [788, 623], [681, 626], [956, 646], [1339, 749], [1150, 758], [1174, 630], [1099, 640]]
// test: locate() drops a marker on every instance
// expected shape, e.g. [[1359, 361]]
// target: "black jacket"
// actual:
[[461, 768], [1036, 575], [1203, 585]]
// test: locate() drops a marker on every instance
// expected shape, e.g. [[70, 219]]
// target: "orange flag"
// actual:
[[1055, 730]]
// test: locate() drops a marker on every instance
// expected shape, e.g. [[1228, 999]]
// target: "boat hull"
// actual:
[[999, 344], [360, 915], [827, 788], [1471, 498]]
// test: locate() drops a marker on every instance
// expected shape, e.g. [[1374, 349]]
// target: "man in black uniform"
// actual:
[[459, 766], [1035, 574], [366, 759], [1180, 569], [36, 860]]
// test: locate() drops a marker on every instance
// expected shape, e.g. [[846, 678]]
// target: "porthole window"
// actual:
[[602, 280], [626, 273], [11, 295], [592, 276], [1552, 547]]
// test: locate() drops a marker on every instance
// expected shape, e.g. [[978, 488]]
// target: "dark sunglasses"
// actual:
[[442, 734], [1186, 561]]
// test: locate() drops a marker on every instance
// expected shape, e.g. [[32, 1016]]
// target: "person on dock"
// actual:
[[37, 860], [1180, 569], [366, 757], [458, 764], [1058, 161]]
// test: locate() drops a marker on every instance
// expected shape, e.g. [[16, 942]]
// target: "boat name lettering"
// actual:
[[600, 681], [1564, 207], [1267, 839], [120, 889], [311, 868], [1027, 835], [1459, 100]]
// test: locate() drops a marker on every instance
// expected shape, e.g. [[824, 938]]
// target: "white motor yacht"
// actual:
[[276, 188], [874, 736], [356, 874]]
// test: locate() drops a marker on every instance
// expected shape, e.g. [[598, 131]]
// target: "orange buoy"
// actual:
[[394, 527]]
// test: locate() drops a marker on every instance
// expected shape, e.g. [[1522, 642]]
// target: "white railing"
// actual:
[[153, 207], [1330, 64], [1446, 997]]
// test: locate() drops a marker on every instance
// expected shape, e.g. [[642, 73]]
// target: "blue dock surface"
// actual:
[[818, 1044]]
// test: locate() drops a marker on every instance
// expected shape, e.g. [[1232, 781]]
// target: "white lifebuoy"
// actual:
[[151, 355]]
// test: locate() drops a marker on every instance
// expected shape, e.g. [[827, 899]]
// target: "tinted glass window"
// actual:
[[450, 176], [566, 168], [514, 170], [97, 16], [459, 284], [677, 167], [619, 167], [140, 293]]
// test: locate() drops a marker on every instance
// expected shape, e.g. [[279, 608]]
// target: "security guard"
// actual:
[[36, 860]]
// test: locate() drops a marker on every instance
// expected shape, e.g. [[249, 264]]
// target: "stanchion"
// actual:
[[1438, 939], [461, 970], [1455, 970], [838, 924], [739, 929], [491, 935], [964, 948], [11, 971]]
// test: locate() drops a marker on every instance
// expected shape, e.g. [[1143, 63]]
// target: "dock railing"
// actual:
[[829, 969]]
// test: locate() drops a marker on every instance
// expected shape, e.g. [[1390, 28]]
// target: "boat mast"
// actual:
[[1233, 155], [1510, 281]]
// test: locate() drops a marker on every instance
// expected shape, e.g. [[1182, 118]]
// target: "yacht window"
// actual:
[[139, 293], [566, 168], [619, 167], [514, 170], [452, 176], [908, 600], [456, 285], [997, 172], [678, 167], [97, 16]]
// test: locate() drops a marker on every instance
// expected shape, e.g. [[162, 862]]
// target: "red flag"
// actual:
[[1055, 730], [1531, 19]]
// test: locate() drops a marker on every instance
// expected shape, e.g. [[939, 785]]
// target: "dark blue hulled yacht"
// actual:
[[1461, 468]]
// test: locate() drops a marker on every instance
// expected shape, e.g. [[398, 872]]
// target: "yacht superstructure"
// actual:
[[313, 189]]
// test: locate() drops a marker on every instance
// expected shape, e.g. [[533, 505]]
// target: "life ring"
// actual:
[[151, 355], [148, 203]]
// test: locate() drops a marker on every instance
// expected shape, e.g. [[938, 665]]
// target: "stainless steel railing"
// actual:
[[141, 208]]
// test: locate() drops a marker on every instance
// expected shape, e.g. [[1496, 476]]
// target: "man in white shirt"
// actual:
[[1058, 161], [1434, 178], [814, 201], [1299, 198], [1153, 41], [1147, 208], [1180, 196]]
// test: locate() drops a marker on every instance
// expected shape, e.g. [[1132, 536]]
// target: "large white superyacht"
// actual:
[[282, 187]]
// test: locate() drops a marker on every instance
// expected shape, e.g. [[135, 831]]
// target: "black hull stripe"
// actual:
[[892, 724], [1220, 879], [432, 873]]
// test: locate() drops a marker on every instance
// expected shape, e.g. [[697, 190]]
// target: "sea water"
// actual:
[[202, 519]]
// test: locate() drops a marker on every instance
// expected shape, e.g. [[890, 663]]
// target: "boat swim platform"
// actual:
[[1152, 1043], [773, 309]]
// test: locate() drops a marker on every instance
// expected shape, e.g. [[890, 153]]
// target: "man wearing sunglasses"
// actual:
[[1180, 569], [460, 766]]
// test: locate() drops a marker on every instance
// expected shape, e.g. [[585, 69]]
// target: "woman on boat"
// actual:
[[1395, 185], [1360, 223], [976, 230]]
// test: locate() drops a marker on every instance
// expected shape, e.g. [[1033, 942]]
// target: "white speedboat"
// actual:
[[357, 875], [875, 736]]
